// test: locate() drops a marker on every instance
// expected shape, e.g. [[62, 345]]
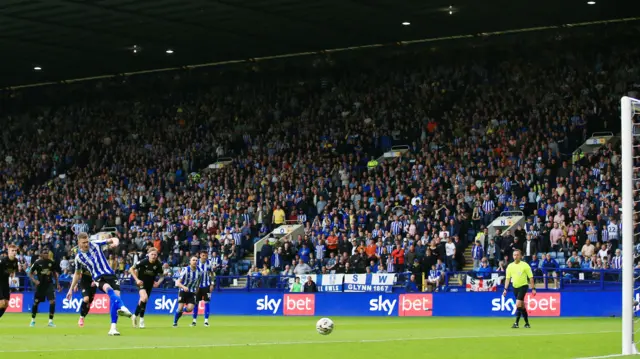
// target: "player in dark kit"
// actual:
[[144, 274], [46, 270], [88, 288], [8, 266]]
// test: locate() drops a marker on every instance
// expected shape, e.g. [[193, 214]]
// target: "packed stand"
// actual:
[[486, 134]]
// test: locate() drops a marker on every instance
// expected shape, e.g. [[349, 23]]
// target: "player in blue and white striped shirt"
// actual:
[[206, 287], [90, 256], [189, 283]]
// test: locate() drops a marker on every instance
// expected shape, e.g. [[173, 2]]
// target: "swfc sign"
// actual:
[[379, 282], [324, 282]]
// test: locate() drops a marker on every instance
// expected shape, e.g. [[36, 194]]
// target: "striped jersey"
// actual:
[[206, 273], [191, 278], [94, 260]]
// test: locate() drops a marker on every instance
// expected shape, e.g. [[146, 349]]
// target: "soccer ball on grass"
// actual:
[[324, 326]]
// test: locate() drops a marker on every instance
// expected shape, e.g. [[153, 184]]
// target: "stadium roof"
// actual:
[[69, 39]]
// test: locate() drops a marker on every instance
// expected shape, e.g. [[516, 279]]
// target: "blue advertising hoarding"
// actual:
[[468, 304]]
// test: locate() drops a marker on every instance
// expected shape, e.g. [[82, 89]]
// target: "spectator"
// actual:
[[484, 271], [477, 253], [310, 286], [411, 286], [302, 268], [297, 286], [588, 250], [550, 267], [435, 276]]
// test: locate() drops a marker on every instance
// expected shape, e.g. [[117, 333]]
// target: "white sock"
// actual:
[[113, 326]]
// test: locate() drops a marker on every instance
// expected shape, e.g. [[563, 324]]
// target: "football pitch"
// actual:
[[296, 337]]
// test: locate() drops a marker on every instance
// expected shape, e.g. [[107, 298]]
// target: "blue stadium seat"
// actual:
[[553, 255], [580, 253]]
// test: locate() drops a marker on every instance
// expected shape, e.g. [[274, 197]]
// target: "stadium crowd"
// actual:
[[486, 133]]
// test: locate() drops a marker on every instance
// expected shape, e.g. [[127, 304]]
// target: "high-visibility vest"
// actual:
[[372, 164]]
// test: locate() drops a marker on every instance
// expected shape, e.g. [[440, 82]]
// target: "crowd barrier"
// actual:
[[471, 304]]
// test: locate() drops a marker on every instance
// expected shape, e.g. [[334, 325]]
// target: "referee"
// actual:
[[520, 274]]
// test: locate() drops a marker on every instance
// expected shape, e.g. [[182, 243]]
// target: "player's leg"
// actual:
[[84, 309], [178, 313], [195, 310], [3, 305], [52, 311], [109, 285], [34, 309], [140, 309], [207, 300], [51, 296]]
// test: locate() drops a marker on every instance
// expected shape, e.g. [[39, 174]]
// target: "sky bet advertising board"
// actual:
[[468, 304]]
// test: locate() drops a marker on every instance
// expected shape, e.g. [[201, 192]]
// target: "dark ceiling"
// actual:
[[80, 38]]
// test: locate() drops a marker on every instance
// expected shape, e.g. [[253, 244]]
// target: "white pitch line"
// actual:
[[605, 356], [223, 345]]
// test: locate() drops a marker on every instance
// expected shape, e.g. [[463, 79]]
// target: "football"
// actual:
[[324, 326]]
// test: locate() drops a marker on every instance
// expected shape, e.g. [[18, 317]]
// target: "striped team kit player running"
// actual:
[[91, 256], [206, 287], [189, 283]]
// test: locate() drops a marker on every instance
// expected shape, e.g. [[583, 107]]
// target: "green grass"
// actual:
[[295, 337]]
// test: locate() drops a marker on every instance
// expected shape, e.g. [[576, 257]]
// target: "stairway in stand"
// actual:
[[468, 259]]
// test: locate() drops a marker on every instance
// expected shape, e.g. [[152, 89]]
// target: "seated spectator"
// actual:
[[302, 268], [550, 268], [434, 279], [535, 266], [411, 286], [484, 271], [588, 250]]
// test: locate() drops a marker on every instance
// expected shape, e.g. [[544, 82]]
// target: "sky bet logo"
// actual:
[[268, 305], [542, 305], [299, 304], [382, 305], [100, 304], [171, 304], [15, 303]]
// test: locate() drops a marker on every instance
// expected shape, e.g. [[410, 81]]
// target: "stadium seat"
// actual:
[[553, 255]]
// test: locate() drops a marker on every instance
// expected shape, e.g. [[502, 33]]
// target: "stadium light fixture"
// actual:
[[169, 51], [37, 68], [406, 23], [591, 2]]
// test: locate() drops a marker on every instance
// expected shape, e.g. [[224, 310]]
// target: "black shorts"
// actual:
[[45, 292], [520, 292], [187, 298], [5, 290], [147, 287], [88, 289], [111, 280], [203, 294]]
